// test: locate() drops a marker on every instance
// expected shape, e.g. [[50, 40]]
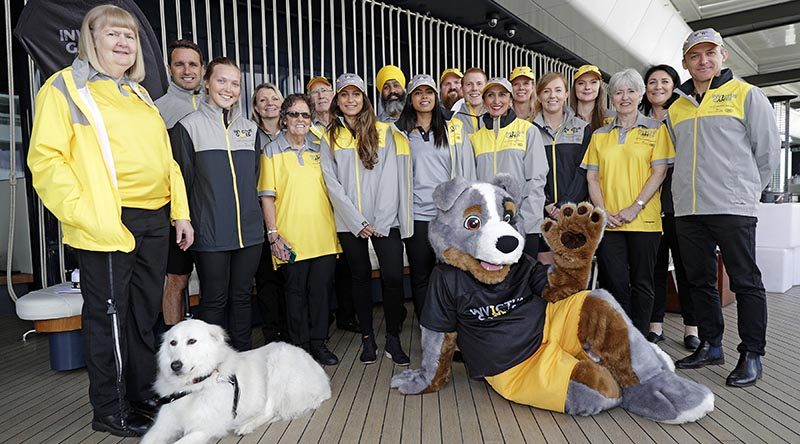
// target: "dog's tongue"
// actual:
[[491, 267]]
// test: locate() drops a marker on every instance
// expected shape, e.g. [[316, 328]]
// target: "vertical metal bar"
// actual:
[[178, 18], [322, 38], [416, 42], [410, 55], [355, 43], [163, 47], [289, 51], [302, 52], [333, 44], [193, 11], [208, 30], [222, 25], [344, 38], [250, 45], [384, 34], [391, 39], [311, 33], [364, 37], [12, 152], [374, 45], [275, 45], [438, 49], [262, 13], [236, 31]]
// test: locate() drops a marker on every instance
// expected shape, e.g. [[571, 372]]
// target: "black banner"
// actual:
[[49, 31]]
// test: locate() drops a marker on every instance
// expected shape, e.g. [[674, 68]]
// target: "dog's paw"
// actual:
[[578, 228], [246, 428], [411, 382]]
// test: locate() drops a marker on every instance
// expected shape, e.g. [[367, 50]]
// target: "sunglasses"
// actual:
[[296, 114]]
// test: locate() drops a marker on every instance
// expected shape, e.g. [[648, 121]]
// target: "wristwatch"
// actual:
[[640, 202]]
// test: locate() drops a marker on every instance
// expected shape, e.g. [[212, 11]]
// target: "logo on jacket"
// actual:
[[495, 311], [720, 98], [242, 133]]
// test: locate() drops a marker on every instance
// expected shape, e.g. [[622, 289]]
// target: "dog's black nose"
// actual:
[[507, 244], [176, 366]]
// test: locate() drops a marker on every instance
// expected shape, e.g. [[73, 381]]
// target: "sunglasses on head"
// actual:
[[296, 114]]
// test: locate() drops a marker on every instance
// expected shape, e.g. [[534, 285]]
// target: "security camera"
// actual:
[[511, 31], [492, 19]]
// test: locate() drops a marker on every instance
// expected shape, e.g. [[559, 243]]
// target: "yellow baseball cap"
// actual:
[[455, 71], [588, 69], [525, 71], [315, 80], [387, 73]]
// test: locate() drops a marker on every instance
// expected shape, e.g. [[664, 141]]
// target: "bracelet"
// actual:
[[272, 231]]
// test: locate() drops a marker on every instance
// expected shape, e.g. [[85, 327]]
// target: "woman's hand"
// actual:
[[613, 220], [627, 215], [367, 231], [184, 234], [552, 210], [279, 247]]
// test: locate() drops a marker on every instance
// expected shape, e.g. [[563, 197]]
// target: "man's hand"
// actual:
[[184, 234]]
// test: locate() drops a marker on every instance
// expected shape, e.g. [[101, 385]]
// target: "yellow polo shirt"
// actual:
[[623, 161], [304, 216]]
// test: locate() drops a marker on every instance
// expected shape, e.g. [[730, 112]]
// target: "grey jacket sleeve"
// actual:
[[387, 200], [466, 157], [536, 169], [343, 207], [763, 133]]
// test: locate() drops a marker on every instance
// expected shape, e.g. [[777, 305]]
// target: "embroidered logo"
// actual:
[[242, 133], [721, 98]]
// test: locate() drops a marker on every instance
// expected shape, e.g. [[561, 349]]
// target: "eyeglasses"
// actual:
[[296, 114], [321, 91]]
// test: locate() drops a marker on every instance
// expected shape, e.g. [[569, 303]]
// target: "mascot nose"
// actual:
[[176, 366], [507, 244]]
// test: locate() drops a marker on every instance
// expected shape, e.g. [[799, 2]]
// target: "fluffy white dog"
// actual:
[[212, 390]]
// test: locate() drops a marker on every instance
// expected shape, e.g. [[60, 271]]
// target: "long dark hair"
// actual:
[[365, 133], [646, 106], [408, 121], [600, 109]]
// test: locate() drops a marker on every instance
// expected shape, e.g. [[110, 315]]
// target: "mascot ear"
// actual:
[[445, 195], [508, 184]]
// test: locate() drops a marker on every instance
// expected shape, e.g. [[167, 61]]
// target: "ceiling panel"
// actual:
[[713, 8], [773, 49]]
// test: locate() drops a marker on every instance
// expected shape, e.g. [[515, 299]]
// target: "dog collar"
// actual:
[[232, 380], [203, 378]]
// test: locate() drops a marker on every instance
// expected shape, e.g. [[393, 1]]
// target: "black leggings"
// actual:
[[669, 242], [226, 279], [390, 257], [421, 260], [308, 287]]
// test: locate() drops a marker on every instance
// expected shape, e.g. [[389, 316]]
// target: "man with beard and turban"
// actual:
[[450, 87], [391, 83]]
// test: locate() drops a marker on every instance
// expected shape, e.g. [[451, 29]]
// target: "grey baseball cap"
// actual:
[[500, 81], [422, 79], [350, 79], [708, 35]]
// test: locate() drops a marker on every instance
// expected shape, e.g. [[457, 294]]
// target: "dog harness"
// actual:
[[232, 380]]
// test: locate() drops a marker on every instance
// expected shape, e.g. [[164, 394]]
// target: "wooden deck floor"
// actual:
[[38, 405]]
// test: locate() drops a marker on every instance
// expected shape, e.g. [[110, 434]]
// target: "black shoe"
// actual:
[[321, 354], [457, 356], [654, 337], [394, 350], [130, 424], [148, 407], [369, 349], [691, 342], [706, 354], [350, 325], [747, 372]]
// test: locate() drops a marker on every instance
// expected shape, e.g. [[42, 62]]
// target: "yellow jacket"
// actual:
[[70, 173]]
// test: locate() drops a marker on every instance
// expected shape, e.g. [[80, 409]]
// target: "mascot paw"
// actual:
[[411, 382], [668, 398], [577, 231]]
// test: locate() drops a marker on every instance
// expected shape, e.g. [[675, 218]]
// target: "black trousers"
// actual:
[[627, 260], [531, 247], [669, 242], [226, 279], [736, 237], [343, 286], [137, 279], [270, 297], [390, 258], [308, 287], [178, 261], [421, 260]]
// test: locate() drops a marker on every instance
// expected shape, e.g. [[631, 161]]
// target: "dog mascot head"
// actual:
[[476, 227]]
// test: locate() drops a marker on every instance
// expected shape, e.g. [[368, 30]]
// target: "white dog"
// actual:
[[211, 390]]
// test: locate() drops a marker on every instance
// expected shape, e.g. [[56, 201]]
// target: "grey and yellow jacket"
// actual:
[[462, 163], [360, 196], [70, 164], [726, 147], [514, 146], [220, 161], [177, 103], [467, 115], [565, 147]]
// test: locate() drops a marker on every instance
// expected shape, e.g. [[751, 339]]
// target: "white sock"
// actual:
[[657, 327], [689, 330]]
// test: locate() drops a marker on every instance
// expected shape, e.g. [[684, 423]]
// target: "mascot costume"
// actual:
[[532, 331]]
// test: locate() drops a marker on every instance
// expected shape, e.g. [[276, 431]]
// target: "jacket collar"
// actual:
[[571, 120], [173, 88], [641, 120], [283, 145], [212, 110], [687, 88], [505, 120]]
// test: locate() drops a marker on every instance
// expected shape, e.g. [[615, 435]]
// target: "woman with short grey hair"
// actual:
[[625, 164]]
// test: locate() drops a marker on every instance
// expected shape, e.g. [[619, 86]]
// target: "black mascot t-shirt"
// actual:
[[499, 325]]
